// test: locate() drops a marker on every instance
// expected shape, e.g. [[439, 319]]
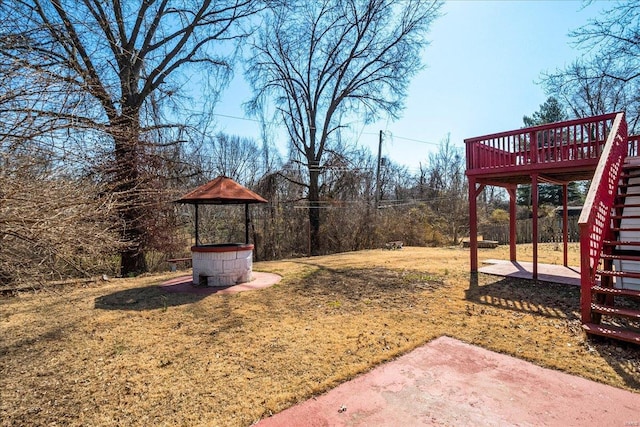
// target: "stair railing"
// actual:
[[595, 220]]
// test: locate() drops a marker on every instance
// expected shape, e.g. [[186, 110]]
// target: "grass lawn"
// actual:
[[125, 353]]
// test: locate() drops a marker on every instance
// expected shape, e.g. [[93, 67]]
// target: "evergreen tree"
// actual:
[[551, 111]]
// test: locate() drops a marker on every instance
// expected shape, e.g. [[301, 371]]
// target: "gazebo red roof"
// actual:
[[221, 191]]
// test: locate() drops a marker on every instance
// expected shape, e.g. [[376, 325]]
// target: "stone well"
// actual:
[[222, 265]]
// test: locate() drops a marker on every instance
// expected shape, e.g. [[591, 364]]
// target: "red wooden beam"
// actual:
[[473, 226], [534, 237], [549, 180], [565, 223], [512, 223]]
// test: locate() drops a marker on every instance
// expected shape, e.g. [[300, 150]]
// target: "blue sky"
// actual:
[[482, 67]]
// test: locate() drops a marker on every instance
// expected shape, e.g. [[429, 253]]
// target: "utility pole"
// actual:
[[378, 170]]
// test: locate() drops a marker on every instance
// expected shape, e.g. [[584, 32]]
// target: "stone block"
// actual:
[[222, 268]]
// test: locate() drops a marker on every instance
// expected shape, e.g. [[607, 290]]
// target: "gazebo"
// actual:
[[221, 264]]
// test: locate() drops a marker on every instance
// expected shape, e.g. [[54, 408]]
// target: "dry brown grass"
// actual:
[[125, 353]]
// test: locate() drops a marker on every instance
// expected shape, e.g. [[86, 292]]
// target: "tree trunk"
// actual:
[[314, 212], [128, 155]]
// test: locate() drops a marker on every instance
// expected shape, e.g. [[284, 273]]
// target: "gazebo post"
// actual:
[[246, 223], [197, 234]]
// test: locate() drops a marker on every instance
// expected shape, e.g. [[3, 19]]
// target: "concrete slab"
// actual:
[[524, 270], [448, 382], [184, 284]]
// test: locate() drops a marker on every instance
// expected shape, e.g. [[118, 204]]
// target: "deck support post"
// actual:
[[512, 222], [534, 237], [473, 225], [473, 222], [565, 222]]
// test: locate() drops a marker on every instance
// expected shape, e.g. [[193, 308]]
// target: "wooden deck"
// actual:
[[556, 153], [524, 270]]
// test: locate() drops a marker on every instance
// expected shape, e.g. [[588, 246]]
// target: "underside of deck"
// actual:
[[560, 173]]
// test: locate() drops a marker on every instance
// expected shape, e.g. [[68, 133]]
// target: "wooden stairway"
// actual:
[[615, 304]]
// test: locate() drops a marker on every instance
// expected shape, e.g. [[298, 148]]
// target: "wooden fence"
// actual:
[[549, 230]]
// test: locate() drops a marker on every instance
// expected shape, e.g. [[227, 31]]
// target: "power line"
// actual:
[[415, 140], [228, 116], [404, 138], [235, 117]]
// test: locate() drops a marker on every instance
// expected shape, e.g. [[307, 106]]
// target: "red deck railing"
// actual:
[[534, 147], [595, 220], [634, 146]]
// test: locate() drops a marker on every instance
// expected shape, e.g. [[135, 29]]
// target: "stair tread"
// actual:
[[625, 216], [621, 256], [624, 205], [614, 273], [612, 332], [625, 228], [615, 291], [625, 195], [621, 243], [615, 311]]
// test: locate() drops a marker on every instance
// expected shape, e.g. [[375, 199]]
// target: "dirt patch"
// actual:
[[124, 353]]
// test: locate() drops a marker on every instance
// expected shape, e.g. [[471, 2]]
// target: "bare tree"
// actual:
[[607, 78], [447, 188], [112, 65], [588, 90], [51, 226], [235, 157], [322, 61]]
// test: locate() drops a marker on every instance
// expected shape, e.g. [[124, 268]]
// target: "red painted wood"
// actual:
[[634, 146], [223, 247], [551, 145], [473, 226], [612, 332], [595, 220], [615, 311], [624, 257], [512, 223], [559, 152], [565, 224], [534, 237], [586, 281], [616, 292]]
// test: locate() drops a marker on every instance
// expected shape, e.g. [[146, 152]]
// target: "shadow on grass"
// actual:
[[560, 301], [36, 345], [526, 296], [621, 356], [147, 298], [355, 285]]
